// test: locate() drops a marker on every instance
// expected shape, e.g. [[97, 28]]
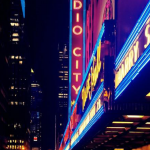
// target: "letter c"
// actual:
[[74, 51]]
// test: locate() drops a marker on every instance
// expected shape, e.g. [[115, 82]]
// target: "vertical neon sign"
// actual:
[[75, 50]]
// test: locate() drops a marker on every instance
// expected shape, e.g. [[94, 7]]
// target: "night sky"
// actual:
[[47, 25]]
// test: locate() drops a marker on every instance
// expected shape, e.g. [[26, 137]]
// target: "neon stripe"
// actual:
[[132, 37], [133, 73], [84, 28], [92, 121], [70, 59]]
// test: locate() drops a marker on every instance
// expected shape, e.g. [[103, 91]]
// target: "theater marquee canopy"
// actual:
[[134, 55]]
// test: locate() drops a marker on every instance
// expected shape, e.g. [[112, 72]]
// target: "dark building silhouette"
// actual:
[[63, 82], [35, 114], [19, 73], [4, 37]]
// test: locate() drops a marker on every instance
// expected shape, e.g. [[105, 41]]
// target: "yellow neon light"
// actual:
[[76, 49], [77, 17], [143, 128], [127, 63], [77, 76], [86, 121], [77, 64], [92, 78], [79, 28], [122, 122], [148, 95], [115, 127], [75, 5], [135, 116], [135, 132], [76, 89], [147, 35], [147, 122]]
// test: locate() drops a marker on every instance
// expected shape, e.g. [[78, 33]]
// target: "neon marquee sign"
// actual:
[[134, 54], [76, 48], [136, 50]]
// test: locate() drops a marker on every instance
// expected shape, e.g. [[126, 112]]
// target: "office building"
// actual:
[[35, 114], [4, 38], [19, 73], [63, 81]]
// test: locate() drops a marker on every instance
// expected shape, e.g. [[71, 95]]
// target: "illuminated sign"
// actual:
[[134, 55], [95, 110], [92, 77], [76, 48], [136, 50], [35, 138]]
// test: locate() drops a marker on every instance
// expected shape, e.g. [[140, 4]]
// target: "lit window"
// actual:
[[10, 141], [12, 57], [16, 57], [60, 124], [20, 62], [15, 34], [12, 87], [14, 24], [15, 39], [23, 103], [15, 14], [20, 57], [16, 103]]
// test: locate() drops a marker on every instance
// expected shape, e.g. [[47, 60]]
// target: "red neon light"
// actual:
[[75, 5], [74, 51], [77, 30]]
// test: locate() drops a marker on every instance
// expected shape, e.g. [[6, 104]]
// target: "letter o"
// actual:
[[75, 28]]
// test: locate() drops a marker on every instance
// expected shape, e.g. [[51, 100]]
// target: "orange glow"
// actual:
[[74, 51], [77, 64], [77, 76], [77, 17], [77, 32], [76, 89], [75, 5]]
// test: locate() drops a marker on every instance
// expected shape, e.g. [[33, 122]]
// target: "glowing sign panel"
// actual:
[[136, 50], [77, 48]]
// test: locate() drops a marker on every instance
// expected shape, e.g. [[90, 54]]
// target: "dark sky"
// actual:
[[47, 25]]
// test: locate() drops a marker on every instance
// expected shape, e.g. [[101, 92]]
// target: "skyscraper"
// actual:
[[19, 74], [35, 114], [63, 82], [4, 36]]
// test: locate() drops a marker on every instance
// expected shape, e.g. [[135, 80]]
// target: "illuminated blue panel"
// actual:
[[132, 37], [23, 7], [84, 28], [70, 57], [93, 120], [139, 65]]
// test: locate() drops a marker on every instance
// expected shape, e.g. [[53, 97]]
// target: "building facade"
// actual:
[[111, 110], [63, 82], [4, 38], [19, 73], [35, 114]]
